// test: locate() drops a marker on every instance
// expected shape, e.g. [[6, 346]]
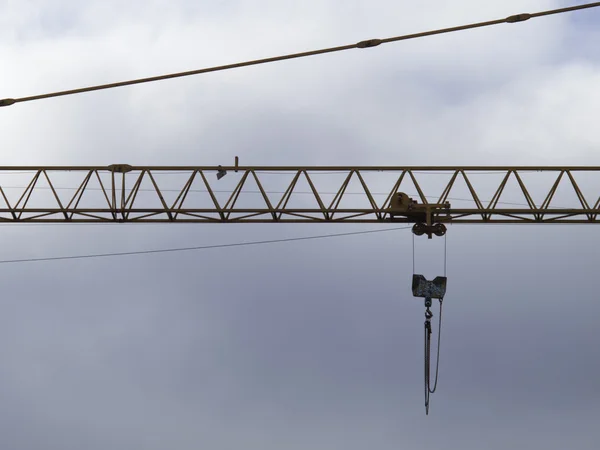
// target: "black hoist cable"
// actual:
[[428, 316]]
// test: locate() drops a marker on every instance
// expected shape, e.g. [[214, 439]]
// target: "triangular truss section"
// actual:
[[38, 200], [249, 200], [91, 199], [303, 198], [461, 194], [589, 185], [512, 200], [565, 199], [353, 200], [197, 199]]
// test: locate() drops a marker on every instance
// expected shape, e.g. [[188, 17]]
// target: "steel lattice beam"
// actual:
[[122, 193]]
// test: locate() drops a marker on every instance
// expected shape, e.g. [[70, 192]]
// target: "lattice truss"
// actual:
[[123, 193]]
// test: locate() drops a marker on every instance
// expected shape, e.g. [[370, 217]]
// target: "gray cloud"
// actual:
[[315, 344]]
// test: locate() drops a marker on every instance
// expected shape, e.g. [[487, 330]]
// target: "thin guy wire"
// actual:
[[362, 44], [343, 172], [205, 247], [269, 192]]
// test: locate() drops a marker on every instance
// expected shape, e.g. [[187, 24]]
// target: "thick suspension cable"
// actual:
[[362, 44]]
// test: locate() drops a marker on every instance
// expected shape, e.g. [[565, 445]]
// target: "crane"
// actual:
[[121, 193], [116, 194]]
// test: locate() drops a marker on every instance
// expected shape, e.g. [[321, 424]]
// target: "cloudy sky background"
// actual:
[[302, 345]]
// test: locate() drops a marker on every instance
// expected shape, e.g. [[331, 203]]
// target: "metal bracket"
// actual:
[[7, 102], [120, 168], [425, 215]]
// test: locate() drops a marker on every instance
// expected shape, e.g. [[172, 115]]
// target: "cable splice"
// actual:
[[518, 18], [369, 43]]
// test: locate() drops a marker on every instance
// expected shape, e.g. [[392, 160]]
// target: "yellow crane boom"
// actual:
[[123, 193]]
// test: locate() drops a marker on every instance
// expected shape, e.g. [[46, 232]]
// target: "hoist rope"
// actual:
[[445, 251], [427, 340], [428, 389], [413, 251]]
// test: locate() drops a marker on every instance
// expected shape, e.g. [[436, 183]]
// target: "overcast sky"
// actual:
[[313, 344]]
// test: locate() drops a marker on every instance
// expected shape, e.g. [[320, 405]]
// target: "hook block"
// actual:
[[424, 288]]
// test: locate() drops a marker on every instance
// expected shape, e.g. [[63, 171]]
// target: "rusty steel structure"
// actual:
[[121, 193]]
